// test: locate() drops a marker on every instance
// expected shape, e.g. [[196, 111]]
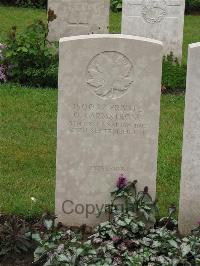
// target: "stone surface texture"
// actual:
[[78, 17], [189, 209], [108, 120], [158, 19]]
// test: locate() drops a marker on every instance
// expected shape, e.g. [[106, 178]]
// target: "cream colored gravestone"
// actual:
[[108, 120], [189, 209], [158, 19], [77, 17]]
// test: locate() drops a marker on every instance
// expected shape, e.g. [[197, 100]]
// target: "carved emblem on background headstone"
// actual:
[[110, 74], [154, 11]]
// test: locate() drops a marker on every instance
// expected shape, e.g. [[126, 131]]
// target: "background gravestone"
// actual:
[[189, 210], [158, 19], [108, 120], [77, 17]]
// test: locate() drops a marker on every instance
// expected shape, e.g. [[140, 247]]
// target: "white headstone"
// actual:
[[158, 19], [108, 120], [189, 210], [77, 17]]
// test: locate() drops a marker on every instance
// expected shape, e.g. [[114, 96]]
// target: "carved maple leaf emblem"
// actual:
[[110, 74]]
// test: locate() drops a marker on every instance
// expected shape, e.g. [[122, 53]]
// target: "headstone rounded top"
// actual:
[[194, 45], [111, 36], [154, 11]]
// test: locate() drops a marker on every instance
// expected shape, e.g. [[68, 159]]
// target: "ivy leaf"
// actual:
[[48, 224], [36, 237], [185, 249], [128, 220], [24, 49], [38, 253], [62, 258], [79, 251], [173, 243], [121, 223]]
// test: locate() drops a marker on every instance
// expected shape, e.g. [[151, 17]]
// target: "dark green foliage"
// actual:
[[174, 74], [29, 58], [26, 3], [14, 236], [32, 3], [192, 5], [8, 2], [116, 5]]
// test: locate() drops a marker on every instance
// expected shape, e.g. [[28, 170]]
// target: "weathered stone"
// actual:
[[108, 120], [189, 209], [77, 17], [158, 19]]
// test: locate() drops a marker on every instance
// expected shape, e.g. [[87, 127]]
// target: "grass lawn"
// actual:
[[28, 145], [20, 17], [27, 150]]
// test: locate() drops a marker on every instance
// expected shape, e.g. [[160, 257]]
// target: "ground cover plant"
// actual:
[[132, 235]]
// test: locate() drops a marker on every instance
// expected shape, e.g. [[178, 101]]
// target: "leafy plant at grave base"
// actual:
[[130, 237], [174, 74], [14, 236], [29, 58], [116, 5]]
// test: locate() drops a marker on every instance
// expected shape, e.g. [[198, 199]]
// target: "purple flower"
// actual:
[[121, 182], [116, 239], [198, 222]]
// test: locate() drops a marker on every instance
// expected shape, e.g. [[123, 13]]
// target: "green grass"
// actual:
[[170, 150], [28, 149], [191, 33], [20, 17], [28, 144], [115, 22]]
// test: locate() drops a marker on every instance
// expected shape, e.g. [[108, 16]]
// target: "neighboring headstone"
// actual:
[[77, 17], [108, 120], [158, 19], [189, 209]]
